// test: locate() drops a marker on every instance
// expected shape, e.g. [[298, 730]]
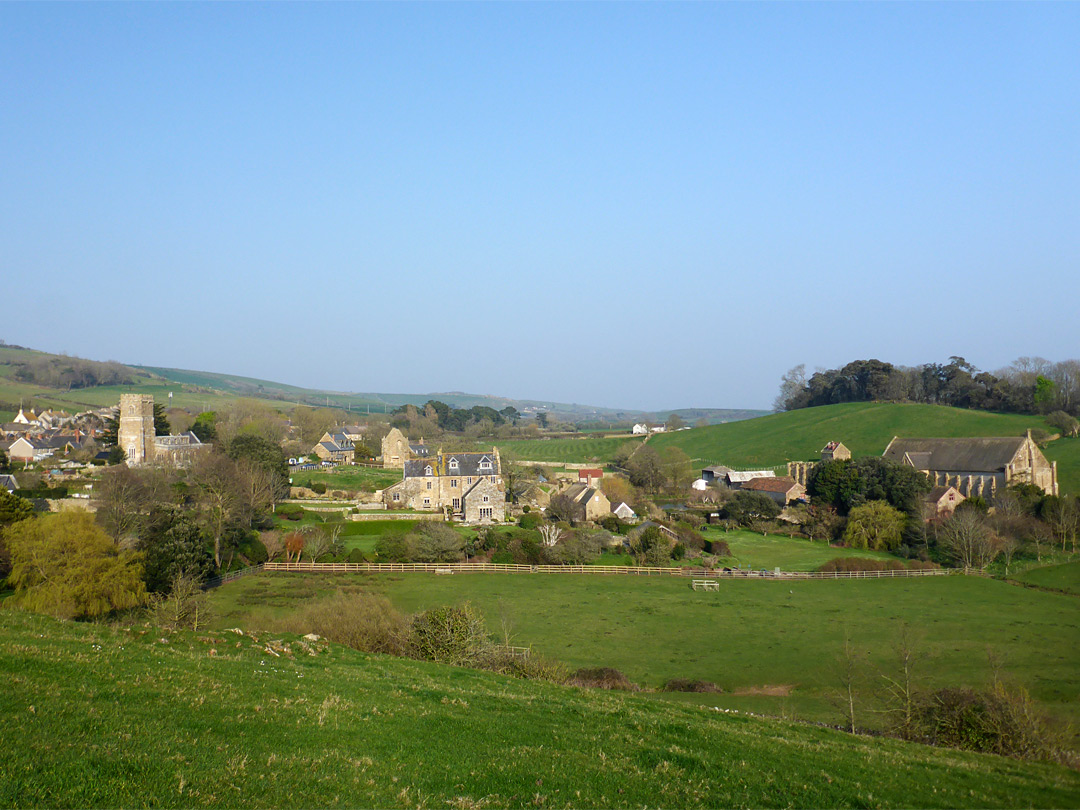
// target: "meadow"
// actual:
[[586, 450], [1062, 577], [772, 646], [786, 553], [354, 478], [864, 427], [97, 716]]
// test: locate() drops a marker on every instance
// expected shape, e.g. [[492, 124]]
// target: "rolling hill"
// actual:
[[98, 716], [865, 427]]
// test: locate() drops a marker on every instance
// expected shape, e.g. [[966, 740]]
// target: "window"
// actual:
[[427, 470], [485, 511], [427, 501], [457, 503], [397, 496], [485, 499], [468, 480], [429, 485], [485, 464], [493, 479], [453, 483], [453, 464]]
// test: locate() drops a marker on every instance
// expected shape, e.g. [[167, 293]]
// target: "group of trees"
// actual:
[[1029, 385], [58, 371], [435, 417], [653, 471]]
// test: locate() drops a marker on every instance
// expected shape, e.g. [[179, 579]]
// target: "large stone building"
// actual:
[[397, 449], [587, 502], [467, 485], [977, 466], [137, 438]]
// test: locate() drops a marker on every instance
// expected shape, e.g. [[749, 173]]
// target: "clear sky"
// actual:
[[622, 204]]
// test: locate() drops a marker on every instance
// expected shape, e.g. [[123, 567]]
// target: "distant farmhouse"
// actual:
[[137, 438], [587, 503], [468, 485], [337, 448], [979, 466]]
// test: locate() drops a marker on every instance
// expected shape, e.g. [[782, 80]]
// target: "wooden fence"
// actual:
[[612, 570]]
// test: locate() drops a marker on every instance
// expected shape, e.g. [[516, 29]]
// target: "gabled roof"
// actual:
[[778, 484], [467, 464], [984, 454], [937, 493], [741, 477]]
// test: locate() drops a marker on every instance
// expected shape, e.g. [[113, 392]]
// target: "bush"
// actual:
[[718, 547], [678, 551], [686, 685], [393, 548], [253, 549], [530, 667], [365, 622], [601, 678], [356, 556], [530, 521], [317, 487], [450, 635], [843, 564], [502, 558], [1001, 720]]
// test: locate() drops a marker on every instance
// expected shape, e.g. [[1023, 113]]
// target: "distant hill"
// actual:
[[205, 390], [865, 427]]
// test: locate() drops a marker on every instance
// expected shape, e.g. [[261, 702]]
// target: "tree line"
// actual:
[[1028, 385], [58, 371]]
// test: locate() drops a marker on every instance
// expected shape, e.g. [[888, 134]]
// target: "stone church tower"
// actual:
[[136, 433]]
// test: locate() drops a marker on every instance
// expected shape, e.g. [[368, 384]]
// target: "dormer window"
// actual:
[[427, 470], [485, 464], [453, 464]]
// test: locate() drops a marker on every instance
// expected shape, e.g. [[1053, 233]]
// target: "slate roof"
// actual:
[[748, 475], [420, 449], [468, 464], [986, 454], [8, 482], [937, 493], [778, 484], [580, 493]]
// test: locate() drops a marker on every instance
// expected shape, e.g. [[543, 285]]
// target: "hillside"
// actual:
[[865, 427], [202, 390], [97, 716]]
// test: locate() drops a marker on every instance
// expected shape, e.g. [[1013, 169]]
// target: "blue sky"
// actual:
[[636, 205]]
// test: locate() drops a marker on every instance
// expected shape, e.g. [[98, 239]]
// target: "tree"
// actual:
[[746, 507], [219, 497], [183, 605], [837, 483], [13, 508], [821, 523], [646, 470], [792, 386], [1068, 425], [205, 426], [677, 467], [1045, 391], [651, 547], [172, 547], [674, 422], [161, 421], [121, 500], [5, 462], [549, 534], [902, 698], [874, 525], [1062, 514], [511, 414], [436, 542], [967, 539], [264, 456], [849, 673], [110, 432], [560, 507], [542, 419], [68, 567]]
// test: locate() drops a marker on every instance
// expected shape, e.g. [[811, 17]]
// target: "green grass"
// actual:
[[785, 553], [364, 479], [101, 717], [752, 633], [1066, 452], [573, 451], [1063, 577], [864, 427]]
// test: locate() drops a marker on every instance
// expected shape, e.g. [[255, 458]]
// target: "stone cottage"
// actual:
[[468, 485]]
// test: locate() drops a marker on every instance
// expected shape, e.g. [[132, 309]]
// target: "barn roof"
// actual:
[[779, 484], [985, 454]]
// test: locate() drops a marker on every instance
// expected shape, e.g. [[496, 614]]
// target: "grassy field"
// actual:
[[785, 553], [1064, 577], [864, 427], [356, 478], [749, 637], [1066, 452], [574, 451], [95, 716]]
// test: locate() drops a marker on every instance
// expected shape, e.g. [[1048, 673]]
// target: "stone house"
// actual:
[[397, 449], [590, 476], [587, 503], [781, 489], [835, 451], [335, 447], [468, 485], [942, 502], [977, 466]]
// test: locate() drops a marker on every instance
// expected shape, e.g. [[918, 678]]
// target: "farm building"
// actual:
[[738, 479], [335, 447], [835, 451], [397, 449], [977, 466], [588, 503], [781, 489], [717, 472], [623, 512], [942, 501], [589, 476]]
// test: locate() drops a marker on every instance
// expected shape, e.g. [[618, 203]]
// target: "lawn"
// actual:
[[749, 635], [99, 716], [864, 427], [355, 478], [786, 553], [1066, 452], [574, 451], [1064, 577]]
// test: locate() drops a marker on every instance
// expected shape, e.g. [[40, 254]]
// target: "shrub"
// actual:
[[365, 622], [678, 551], [531, 667], [356, 556], [686, 685], [253, 549], [601, 678], [393, 548], [450, 635], [718, 547], [1001, 720], [502, 558], [317, 487]]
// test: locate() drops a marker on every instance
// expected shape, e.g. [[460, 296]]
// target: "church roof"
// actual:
[[984, 454]]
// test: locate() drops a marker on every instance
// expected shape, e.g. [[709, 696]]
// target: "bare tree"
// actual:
[[900, 687], [849, 675], [219, 496], [550, 534], [121, 499], [968, 540]]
